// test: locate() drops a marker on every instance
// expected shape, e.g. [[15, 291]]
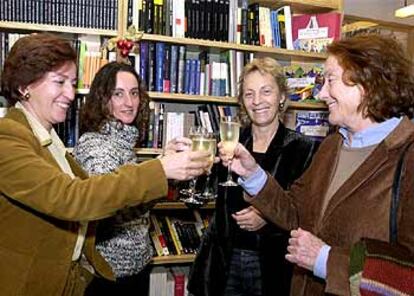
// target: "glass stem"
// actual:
[[193, 185], [206, 191], [229, 178]]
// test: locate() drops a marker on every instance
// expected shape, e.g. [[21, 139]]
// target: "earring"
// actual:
[[281, 105], [26, 96]]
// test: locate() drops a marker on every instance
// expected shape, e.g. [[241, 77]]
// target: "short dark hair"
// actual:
[[381, 66], [30, 58], [95, 113]]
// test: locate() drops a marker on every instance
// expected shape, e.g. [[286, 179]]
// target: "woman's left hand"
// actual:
[[303, 248], [249, 219]]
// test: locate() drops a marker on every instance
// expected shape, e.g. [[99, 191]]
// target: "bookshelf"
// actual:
[[281, 54]]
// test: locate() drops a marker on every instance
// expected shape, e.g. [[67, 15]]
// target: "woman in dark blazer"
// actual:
[[238, 232]]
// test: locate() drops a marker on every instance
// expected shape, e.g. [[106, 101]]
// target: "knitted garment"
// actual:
[[123, 239], [379, 268]]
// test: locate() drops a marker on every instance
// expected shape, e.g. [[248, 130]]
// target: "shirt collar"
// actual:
[[370, 136], [39, 130]]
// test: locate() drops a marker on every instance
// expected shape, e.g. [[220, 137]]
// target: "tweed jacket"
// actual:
[[40, 207], [360, 207]]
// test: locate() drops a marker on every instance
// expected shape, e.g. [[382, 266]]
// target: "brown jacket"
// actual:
[[40, 206], [360, 207]]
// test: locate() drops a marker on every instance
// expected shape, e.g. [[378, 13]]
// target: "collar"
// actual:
[[371, 135], [45, 138]]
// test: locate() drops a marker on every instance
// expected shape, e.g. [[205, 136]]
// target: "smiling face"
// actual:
[[261, 98], [51, 96], [124, 101], [342, 100]]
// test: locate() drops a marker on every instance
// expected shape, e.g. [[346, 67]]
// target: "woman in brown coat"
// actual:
[[46, 199], [345, 194]]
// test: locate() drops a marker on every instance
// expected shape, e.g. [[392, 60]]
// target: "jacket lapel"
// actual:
[[370, 166], [363, 173]]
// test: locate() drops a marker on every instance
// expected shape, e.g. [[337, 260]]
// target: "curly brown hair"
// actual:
[[380, 65], [95, 113], [264, 65], [30, 58]]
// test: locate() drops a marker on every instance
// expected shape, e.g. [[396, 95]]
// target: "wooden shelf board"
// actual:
[[302, 6], [183, 98], [178, 205], [307, 105], [148, 151], [53, 28], [280, 52], [174, 259]]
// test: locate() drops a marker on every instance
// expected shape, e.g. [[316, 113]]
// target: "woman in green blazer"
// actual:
[[47, 202]]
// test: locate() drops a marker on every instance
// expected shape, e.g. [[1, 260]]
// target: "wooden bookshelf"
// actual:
[[173, 259], [184, 98], [178, 205], [312, 105], [279, 53], [304, 6], [52, 28]]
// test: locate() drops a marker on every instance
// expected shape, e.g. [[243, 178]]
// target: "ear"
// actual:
[[23, 91]]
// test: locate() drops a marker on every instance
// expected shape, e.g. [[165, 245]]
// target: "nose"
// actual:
[[128, 98], [69, 91], [323, 93]]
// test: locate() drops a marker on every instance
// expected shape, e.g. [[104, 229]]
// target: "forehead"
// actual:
[[126, 79], [256, 79], [332, 66]]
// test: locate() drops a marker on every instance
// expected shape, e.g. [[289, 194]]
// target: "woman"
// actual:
[[46, 199], [239, 231], [116, 109], [345, 194]]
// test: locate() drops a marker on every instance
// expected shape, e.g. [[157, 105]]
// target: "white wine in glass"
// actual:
[[229, 134]]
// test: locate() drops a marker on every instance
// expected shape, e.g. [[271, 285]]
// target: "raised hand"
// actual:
[[177, 144], [185, 165], [242, 163]]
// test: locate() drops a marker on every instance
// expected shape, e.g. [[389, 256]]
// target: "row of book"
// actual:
[[169, 281], [236, 21], [166, 123], [177, 236], [189, 70], [98, 14], [206, 19]]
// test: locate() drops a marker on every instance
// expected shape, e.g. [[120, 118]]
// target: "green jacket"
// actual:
[[40, 207]]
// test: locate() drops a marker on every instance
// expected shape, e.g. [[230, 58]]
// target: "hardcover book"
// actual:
[[313, 32]]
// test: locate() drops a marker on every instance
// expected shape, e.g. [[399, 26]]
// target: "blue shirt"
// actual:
[[370, 136]]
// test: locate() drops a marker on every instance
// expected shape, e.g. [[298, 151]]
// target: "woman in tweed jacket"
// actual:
[[115, 111]]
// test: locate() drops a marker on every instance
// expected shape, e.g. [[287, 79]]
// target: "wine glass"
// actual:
[[209, 144], [229, 134], [190, 195]]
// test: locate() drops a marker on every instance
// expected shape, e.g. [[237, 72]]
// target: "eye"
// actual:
[[118, 94], [267, 92], [135, 93], [248, 95], [60, 81]]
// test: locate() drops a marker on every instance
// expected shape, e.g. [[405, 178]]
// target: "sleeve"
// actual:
[[30, 178], [337, 274]]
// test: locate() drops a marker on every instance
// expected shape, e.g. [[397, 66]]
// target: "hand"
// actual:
[[177, 144], [303, 248], [249, 219], [242, 163], [185, 165]]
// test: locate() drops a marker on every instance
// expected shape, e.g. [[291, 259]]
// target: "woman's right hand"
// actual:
[[242, 163], [185, 165], [177, 144]]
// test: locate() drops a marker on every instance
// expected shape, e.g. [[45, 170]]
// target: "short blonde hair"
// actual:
[[264, 65]]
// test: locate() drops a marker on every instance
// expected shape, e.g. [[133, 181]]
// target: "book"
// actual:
[[313, 32]]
